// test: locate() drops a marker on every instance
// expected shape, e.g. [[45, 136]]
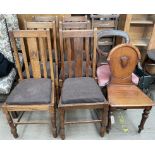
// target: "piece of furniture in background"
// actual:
[[122, 93], [80, 90], [140, 28], [105, 22], [32, 94]]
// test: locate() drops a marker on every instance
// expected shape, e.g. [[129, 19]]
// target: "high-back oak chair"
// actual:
[[103, 71], [52, 27], [80, 90], [122, 93], [35, 93]]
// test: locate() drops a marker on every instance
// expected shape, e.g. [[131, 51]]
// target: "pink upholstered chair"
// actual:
[[103, 71]]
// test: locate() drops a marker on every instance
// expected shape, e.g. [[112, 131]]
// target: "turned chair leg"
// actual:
[[53, 120], [62, 125], [10, 122], [109, 121], [144, 117], [104, 118]]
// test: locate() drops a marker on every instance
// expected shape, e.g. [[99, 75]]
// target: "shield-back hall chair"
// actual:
[[52, 27], [103, 71], [36, 93], [122, 93], [80, 90]]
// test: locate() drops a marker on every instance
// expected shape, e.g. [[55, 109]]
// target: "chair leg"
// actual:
[[10, 122], [104, 118], [53, 120], [62, 125], [144, 117], [109, 121]]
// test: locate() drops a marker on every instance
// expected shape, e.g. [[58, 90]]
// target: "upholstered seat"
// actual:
[[42, 71], [103, 74], [66, 69], [81, 90], [31, 91]]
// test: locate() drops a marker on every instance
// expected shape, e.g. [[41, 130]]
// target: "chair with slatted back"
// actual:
[[35, 93], [122, 93], [80, 90], [52, 27]]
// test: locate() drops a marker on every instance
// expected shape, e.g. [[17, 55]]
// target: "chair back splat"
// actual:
[[32, 47], [123, 60]]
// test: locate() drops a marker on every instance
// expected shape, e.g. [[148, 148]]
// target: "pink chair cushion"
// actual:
[[103, 75]]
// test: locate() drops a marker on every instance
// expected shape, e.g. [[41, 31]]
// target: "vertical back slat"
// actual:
[[50, 55], [87, 56], [34, 57], [94, 52], [69, 51], [25, 57], [78, 55], [43, 58], [62, 53]]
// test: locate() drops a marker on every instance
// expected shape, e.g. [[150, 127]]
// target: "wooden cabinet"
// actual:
[[140, 28]]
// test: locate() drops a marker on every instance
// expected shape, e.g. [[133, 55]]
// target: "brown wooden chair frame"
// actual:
[[77, 34], [127, 82], [31, 36]]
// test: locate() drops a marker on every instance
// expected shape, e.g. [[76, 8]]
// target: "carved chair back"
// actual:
[[123, 60]]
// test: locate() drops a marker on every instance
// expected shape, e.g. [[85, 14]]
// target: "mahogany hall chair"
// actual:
[[122, 92], [80, 90], [35, 93]]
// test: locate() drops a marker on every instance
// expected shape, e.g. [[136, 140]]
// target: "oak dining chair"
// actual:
[[79, 89], [35, 93]]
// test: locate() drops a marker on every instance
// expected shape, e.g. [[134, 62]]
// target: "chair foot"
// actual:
[[108, 128], [14, 133], [144, 118], [62, 134], [54, 132], [102, 131]]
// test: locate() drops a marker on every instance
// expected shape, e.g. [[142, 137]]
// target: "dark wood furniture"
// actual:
[[122, 93], [79, 90], [35, 93]]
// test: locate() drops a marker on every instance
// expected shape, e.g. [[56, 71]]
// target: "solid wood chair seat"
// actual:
[[127, 96]]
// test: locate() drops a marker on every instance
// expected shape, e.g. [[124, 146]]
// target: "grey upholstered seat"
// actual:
[[66, 69], [41, 67], [31, 91], [81, 90]]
